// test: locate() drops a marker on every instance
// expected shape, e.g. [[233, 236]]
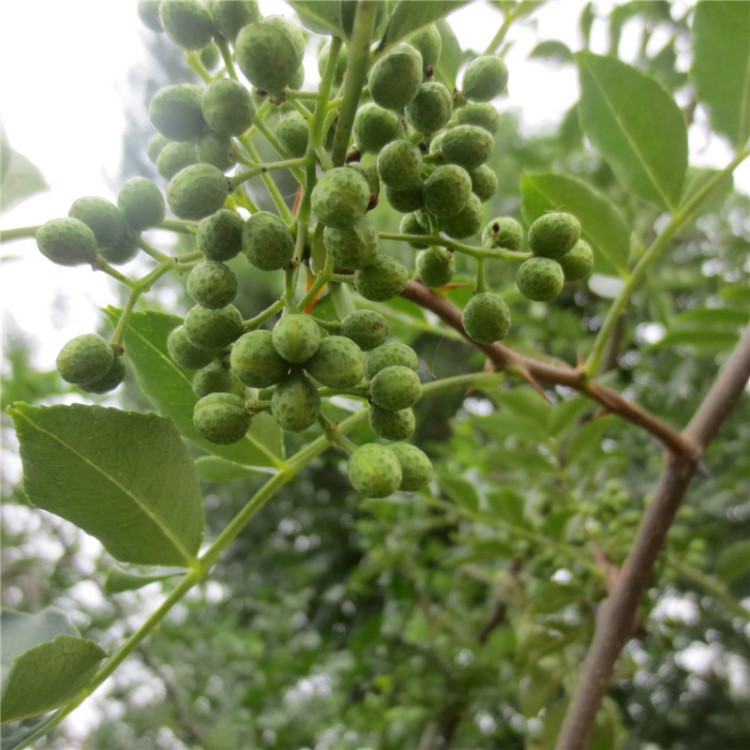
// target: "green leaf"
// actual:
[[409, 16], [585, 22], [721, 66], [20, 177], [125, 478], [20, 631], [215, 469], [711, 317], [589, 437], [603, 225], [48, 675], [451, 56], [119, 580], [170, 391], [695, 179], [527, 407], [637, 127], [320, 16], [552, 50], [707, 341], [734, 561], [461, 491], [565, 413], [507, 506]]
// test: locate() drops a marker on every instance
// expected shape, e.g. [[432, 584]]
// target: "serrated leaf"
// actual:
[[603, 226], [47, 676], [125, 478], [20, 177], [734, 561], [170, 391], [119, 580], [409, 16], [320, 16], [20, 631], [637, 127], [721, 65], [552, 50]]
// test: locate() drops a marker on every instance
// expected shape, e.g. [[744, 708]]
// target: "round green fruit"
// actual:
[[227, 107], [410, 224], [219, 236], [505, 232], [395, 387], [126, 249], [175, 156], [384, 279], [410, 199], [212, 284], [213, 329], [341, 63], [467, 145], [354, 247], [554, 234], [221, 418], [197, 191], [465, 223], [292, 132], [391, 425], [435, 266], [370, 173], [184, 353], [340, 197], [255, 361], [395, 78], [188, 23], [540, 279], [374, 471], [480, 113], [374, 127], [578, 263], [216, 150], [338, 363], [295, 404], [428, 42], [210, 56], [485, 78], [85, 359], [175, 111], [400, 164], [67, 242], [486, 318], [230, 16], [296, 337], [366, 328], [102, 217], [483, 182], [155, 145], [447, 191], [148, 12], [215, 377], [267, 242], [386, 355], [141, 203], [431, 108], [416, 467], [113, 378]]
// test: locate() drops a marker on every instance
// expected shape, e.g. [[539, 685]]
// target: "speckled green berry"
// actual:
[[428, 42], [341, 63], [154, 146], [409, 224], [184, 353], [231, 15], [370, 173], [395, 387], [215, 377], [125, 250], [296, 337], [210, 56], [578, 263], [267, 242], [221, 418], [395, 78], [483, 182], [554, 234], [374, 127], [255, 362], [467, 145], [354, 247], [148, 12], [188, 23], [176, 113], [295, 404], [102, 217], [269, 52], [399, 164], [389, 354], [416, 467], [113, 378], [435, 266], [141, 203], [366, 328], [480, 113], [431, 108], [340, 197], [540, 279], [385, 279], [505, 232], [197, 191], [485, 77], [85, 359], [227, 107], [410, 199], [338, 363], [213, 329], [465, 223], [216, 150], [67, 242], [293, 132], [486, 318], [212, 284], [175, 156], [392, 425], [219, 236], [374, 471], [447, 190]]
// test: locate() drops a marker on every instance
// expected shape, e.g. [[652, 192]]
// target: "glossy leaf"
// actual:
[[721, 65], [602, 223], [125, 478], [409, 16], [636, 126], [734, 561]]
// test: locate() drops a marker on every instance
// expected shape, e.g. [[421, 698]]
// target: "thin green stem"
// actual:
[[19, 233], [321, 279], [101, 265], [305, 96], [149, 249], [179, 225], [262, 317], [194, 61], [270, 136], [475, 252], [273, 190], [226, 56], [481, 281], [236, 180]]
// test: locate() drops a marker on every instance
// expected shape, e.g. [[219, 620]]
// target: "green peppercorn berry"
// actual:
[[428, 42], [184, 353], [578, 263], [387, 355], [447, 191], [338, 363], [221, 418], [141, 203], [293, 133], [217, 150], [154, 146], [554, 234], [400, 164], [384, 279], [435, 266], [480, 113], [395, 387], [540, 279], [409, 199], [366, 328], [465, 223], [197, 191], [485, 78], [296, 337], [269, 52], [374, 127], [188, 23], [410, 225], [148, 12], [124, 251], [374, 471], [354, 247], [486, 318], [215, 377], [467, 145], [231, 15], [227, 107], [436, 144], [416, 467], [295, 404], [210, 56], [175, 156], [431, 108], [219, 236], [267, 242], [370, 173], [340, 197], [175, 111], [114, 377], [212, 284], [85, 359], [213, 329], [483, 182], [392, 425], [103, 218], [505, 232], [67, 242], [395, 78], [341, 63], [255, 362]]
